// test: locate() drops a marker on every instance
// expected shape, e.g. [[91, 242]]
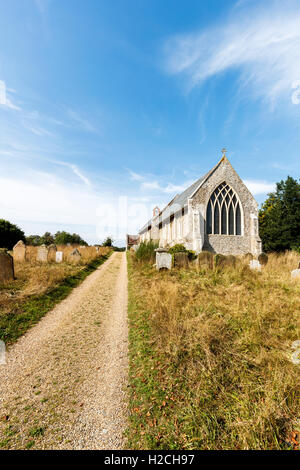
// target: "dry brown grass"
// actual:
[[219, 343], [33, 277]]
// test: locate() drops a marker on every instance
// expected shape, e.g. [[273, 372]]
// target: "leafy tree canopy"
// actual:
[[10, 234], [108, 241], [279, 217], [62, 238]]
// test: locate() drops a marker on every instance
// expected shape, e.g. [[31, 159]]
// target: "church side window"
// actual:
[[223, 214]]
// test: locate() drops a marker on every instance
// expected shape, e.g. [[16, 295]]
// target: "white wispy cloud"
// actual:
[[135, 176], [262, 43], [4, 97], [259, 187], [81, 121], [75, 170], [169, 188]]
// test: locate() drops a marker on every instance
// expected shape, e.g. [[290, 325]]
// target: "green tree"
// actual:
[[62, 238], [10, 234], [47, 238], [108, 241], [34, 240], [279, 217]]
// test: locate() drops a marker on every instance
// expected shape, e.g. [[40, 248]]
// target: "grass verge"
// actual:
[[26, 313], [210, 357]]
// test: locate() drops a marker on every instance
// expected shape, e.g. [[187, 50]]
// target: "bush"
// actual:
[[145, 252], [179, 248], [10, 234]]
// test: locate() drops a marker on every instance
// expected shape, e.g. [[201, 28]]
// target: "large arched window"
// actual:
[[223, 214]]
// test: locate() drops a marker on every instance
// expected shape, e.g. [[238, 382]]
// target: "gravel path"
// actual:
[[64, 384]]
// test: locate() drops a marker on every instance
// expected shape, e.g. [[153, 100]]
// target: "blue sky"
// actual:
[[110, 108]]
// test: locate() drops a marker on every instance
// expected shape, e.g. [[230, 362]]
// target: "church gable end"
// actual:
[[229, 212]]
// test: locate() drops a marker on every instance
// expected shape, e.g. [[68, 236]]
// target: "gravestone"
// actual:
[[19, 251], [163, 259], [6, 266], [230, 260], [52, 253], [255, 265], [181, 260], [75, 256], [263, 259], [59, 256], [42, 254], [220, 260], [295, 274], [205, 258], [248, 256]]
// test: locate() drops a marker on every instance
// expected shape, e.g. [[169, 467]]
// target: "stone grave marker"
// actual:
[[59, 256], [295, 274], [19, 251], [163, 259], [263, 259], [75, 256], [52, 253], [6, 267], [181, 260], [255, 265], [42, 254], [205, 258]]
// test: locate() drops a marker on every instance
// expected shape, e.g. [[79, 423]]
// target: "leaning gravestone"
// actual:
[[75, 256], [51, 253], [163, 259], [6, 266], [42, 254], [181, 260], [59, 256], [255, 265], [263, 259], [19, 251], [206, 258]]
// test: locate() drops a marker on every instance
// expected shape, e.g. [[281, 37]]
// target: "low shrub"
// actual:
[[146, 252]]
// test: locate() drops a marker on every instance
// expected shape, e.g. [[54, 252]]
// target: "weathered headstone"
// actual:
[[230, 260], [255, 265], [19, 251], [295, 274], [52, 253], [75, 256], [6, 266], [163, 259], [248, 256], [220, 260], [181, 260], [206, 258], [263, 259], [42, 254], [59, 256]]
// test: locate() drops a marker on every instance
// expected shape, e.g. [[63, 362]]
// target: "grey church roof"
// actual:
[[179, 201]]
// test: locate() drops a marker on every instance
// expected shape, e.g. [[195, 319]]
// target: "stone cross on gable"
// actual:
[[224, 151]]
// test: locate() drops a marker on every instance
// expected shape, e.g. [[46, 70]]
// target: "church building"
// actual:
[[217, 213]]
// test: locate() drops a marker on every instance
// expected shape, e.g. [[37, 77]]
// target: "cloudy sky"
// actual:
[[110, 108]]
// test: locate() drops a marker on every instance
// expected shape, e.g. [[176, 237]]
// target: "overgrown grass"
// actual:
[[27, 310], [146, 252], [210, 355]]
